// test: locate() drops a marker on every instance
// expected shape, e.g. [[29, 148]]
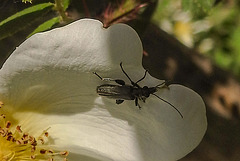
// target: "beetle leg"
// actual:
[[136, 103], [119, 101], [143, 99], [118, 81], [139, 107]]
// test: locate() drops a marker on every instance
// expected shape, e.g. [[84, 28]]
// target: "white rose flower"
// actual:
[[50, 107]]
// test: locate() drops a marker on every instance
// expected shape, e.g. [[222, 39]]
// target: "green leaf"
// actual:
[[23, 19], [66, 4], [235, 41], [198, 8], [161, 10], [224, 60], [46, 25]]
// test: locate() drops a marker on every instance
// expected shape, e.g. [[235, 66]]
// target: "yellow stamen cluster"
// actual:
[[15, 145]]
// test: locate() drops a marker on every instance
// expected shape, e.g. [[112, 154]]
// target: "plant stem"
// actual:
[[87, 13], [135, 9], [60, 9]]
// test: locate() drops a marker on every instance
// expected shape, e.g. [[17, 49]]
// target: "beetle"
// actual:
[[123, 91]]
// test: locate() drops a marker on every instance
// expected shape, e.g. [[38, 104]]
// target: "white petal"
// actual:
[[176, 135], [83, 45], [49, 80]]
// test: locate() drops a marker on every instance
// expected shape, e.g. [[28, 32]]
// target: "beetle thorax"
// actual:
[[144, 92]]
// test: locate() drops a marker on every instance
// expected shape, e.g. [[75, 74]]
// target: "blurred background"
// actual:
[[190, 42]]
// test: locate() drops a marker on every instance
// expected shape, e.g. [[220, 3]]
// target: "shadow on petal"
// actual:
[[51, 91], [75, 156], [160, 131]]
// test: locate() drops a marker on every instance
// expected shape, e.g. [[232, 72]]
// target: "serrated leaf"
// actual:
[[46, 25], [22, 19], [198, 8]]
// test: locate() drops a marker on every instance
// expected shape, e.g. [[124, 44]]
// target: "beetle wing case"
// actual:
[[116, 91]]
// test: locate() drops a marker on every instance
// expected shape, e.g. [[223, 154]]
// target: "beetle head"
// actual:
[[146, 91]]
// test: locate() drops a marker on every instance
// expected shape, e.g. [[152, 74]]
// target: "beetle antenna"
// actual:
[[169, 104], [98, 75], [125, 72], [143, 76], [134, 84], [163, 83]]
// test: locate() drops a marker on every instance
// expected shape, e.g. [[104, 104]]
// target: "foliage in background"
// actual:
[[25, 1], [26, 17], [23, 19], [210, 27], [216, 35], [198, 8]]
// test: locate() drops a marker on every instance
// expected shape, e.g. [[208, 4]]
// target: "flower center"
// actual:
[[16, 145]]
